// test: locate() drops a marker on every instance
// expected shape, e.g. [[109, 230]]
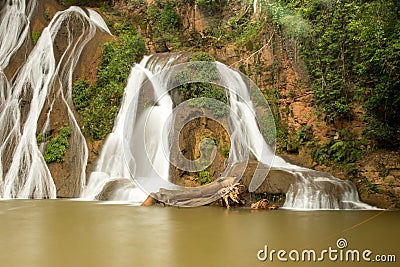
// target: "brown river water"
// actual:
[[48, 233]]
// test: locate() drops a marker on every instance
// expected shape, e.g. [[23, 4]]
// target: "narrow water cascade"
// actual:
[[313, 189], [15, 18], [42, 79], [111, 164], [111, 178]]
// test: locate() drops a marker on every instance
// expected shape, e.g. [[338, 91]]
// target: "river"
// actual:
[[75, 233]]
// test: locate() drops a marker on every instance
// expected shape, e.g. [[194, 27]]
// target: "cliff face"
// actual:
[[272, 60], [245, 41]]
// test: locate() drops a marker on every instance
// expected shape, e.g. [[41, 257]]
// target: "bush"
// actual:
[[57, 147], [35, 37], [98, 103], [340, 152], [204, 176], [164, 22]]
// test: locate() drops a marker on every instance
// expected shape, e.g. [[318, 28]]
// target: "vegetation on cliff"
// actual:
[[352, 52], [58, 145], [98, 103]]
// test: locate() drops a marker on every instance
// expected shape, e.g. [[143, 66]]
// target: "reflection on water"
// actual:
[[72, 233]]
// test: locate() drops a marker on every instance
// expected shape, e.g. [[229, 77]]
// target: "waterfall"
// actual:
[[111, 178], [148, 157], [44, 83], [313, 189], [41, 80], [111, 164], [318, 190]]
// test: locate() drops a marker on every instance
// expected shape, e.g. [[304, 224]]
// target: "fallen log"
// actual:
[[193, 196]]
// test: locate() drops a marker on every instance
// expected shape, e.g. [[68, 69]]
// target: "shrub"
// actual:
[[164, 22], [57, 147], [98, 103], [201, 92], [35, 37]]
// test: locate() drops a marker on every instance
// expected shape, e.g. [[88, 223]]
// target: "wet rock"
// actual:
[[276, 181], [112, 186]]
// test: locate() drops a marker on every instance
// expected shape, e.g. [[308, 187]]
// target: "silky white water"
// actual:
[[313, 190], [23, 169], [150, 157]]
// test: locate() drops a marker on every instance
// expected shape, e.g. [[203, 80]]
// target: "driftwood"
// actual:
[[263, 204], [224, 187]]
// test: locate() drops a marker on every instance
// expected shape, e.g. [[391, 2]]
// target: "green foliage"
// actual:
[[296, 140], [342, 152], [35, 37], [57, 147], [351, 50], [245, 31], [281, 128], [224, 150], [81, 94], [288, 17], [268, 128], [204, 176], [370, 186], [377, 30], [218, 108], [199, 69], [91, 3], [39, 138], [201, 56], [164, 22], [46, 14], [98, 103]]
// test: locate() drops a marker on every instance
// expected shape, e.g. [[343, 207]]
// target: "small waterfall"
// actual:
[[24, 173], [318, 190], [111, 179], [313, 189]]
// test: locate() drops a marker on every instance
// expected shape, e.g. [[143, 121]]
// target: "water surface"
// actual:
[[74, 233]]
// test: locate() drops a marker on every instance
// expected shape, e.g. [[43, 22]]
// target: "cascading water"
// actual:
[[24, 173], [43, 79], [312, 190], [111, 164], [15, 18], [146, 137]]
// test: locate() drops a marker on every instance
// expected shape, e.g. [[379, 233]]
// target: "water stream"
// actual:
[[41, 80]]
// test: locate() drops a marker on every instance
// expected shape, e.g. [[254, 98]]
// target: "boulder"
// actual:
[[275, 181]]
